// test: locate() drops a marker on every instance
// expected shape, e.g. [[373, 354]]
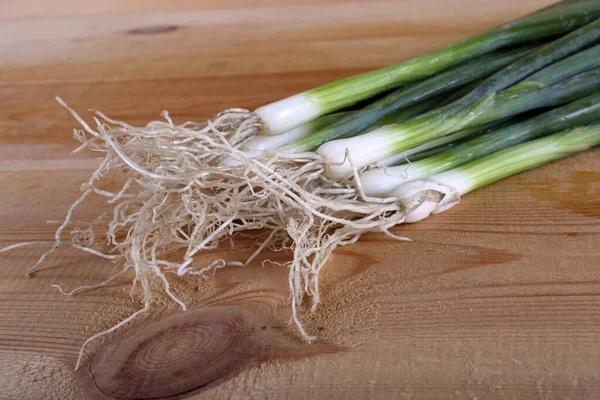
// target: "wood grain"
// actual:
[[496, 298]]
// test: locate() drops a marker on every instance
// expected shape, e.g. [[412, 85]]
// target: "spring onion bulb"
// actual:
[[283, 115], [381, 182], [441, 191], [479, 106], [263, 142]]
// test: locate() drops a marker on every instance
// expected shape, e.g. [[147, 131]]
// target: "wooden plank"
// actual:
[[62, 8], [242, 41], [497, 297]]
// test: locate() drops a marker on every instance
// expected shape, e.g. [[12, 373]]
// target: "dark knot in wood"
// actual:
[[153, 30], [178, 355]]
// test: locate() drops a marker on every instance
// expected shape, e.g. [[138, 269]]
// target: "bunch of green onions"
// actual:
[[466, 115], [364, 153]]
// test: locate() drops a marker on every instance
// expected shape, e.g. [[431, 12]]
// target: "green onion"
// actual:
[[480, 106], [291, 141], [283, 142], [386, 108], [429, 151], [387, 141], [443, 141], [576, 64], [264, 142], [381, 182], [398, 116], [293, 111], [547, 55], [520, 158], [420, 197]]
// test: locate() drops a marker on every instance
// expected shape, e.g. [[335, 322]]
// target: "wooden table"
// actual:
[[496, 298]]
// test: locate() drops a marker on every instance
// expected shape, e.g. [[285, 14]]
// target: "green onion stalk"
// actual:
[[417, 154], [257, 144], [441, 191], [399, 106], [382, 182], [283, 115], [386, 108], [444, 141], [578, 63], [491, 100], [281, 142]]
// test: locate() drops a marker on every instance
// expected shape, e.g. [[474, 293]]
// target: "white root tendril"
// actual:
[[177, 199]]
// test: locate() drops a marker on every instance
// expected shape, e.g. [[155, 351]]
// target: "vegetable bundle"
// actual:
[[315, 171]]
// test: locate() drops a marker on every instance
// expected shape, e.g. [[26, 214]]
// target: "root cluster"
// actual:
[[179, 198]]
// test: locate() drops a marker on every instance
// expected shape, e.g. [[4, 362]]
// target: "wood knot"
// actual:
[[178, 355], [153, 30]]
